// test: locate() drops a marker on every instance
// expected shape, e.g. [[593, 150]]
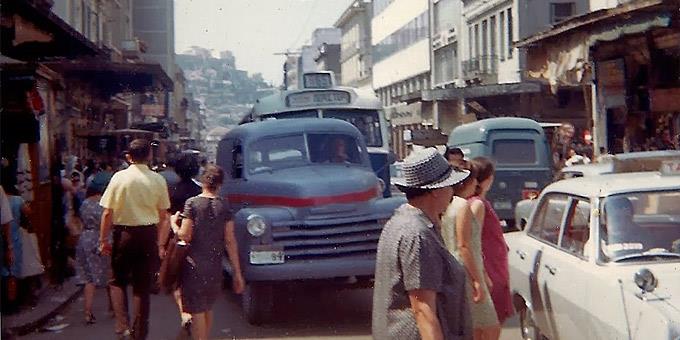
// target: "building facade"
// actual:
[[356, 57], [401, 65]]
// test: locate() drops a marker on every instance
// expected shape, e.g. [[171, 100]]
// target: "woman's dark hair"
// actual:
[[485, 169], [92, 190], [186, 167], [212, 177], [465, 165]]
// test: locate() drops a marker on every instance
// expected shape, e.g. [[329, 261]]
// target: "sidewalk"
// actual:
[[51, 300]]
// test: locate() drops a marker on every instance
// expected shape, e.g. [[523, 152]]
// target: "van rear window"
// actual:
[[514, 151]]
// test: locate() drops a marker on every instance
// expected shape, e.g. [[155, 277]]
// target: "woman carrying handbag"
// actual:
[[208, 228]]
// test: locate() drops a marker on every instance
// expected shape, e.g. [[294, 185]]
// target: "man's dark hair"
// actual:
[[453, 151], [412, 193], [139, 150]]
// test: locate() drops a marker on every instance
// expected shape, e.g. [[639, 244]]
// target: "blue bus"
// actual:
[[319, 97]]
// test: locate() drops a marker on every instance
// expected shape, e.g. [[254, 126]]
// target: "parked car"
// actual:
[[599, 259], [619, 163], [521, 153], [307, 204]]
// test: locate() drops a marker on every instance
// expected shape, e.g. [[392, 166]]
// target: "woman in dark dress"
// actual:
[[208, 227], [186, 168]]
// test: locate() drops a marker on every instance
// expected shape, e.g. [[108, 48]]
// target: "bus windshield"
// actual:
[[367, 121], [275, 153]]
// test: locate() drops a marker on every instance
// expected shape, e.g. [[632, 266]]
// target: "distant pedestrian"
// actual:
[[575, 158], [135, 204], [208, 227], [94, 268], [494, 248], [419, 286], [454, 155], [169, 173], [186, 168], [462, 234]]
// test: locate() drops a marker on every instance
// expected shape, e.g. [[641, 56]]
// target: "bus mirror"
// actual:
[[391, 158]]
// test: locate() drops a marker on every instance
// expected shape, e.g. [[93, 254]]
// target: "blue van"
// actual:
[[521, 152]]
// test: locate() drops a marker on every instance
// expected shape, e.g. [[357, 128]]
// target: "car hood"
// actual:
[[667, 292], [308, 186]]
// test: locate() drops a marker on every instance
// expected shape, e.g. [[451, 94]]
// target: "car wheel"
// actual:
[[528, 326], [257, 302]]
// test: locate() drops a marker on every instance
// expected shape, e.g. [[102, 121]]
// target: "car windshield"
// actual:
[[281, 152], [367, 121], [641, 226]]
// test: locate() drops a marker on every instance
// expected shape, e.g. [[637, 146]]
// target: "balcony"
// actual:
[[482, 69]]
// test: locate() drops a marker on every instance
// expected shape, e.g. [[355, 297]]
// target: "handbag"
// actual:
[[31, 263], [171, 266]]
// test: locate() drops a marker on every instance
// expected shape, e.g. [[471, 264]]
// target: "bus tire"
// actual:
[[257, 302]]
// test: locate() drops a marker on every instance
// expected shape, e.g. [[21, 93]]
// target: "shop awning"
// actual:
[[472, 92], [116, 77], [561, 56], [31, 31]]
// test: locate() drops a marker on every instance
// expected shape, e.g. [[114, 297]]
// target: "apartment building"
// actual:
[[355, 46], [401, 66], [477, 71]]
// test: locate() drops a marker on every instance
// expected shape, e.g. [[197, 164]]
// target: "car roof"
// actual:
[[257, 130], [605, 185], [589, 169], [477, 131]]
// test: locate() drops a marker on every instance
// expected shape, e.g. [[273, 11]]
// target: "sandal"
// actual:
[[89, 318]]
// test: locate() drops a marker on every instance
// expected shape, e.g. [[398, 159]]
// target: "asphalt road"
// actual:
[[300, 314]]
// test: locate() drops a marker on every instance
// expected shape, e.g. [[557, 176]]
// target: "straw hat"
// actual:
[[427, 169]]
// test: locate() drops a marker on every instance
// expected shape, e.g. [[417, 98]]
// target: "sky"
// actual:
[[253, 29]]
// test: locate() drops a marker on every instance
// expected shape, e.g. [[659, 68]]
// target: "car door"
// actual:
[[562, 275], [543, 231]]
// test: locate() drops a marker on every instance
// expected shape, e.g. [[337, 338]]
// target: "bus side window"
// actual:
[[237, 161]]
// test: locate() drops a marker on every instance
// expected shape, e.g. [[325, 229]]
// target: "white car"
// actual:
[[600, 259]]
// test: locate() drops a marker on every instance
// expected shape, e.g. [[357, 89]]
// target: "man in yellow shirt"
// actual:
[[135, 205]]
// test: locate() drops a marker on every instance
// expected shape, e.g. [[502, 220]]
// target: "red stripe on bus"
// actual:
[[302, 202]]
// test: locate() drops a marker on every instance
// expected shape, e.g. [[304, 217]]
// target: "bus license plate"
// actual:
[[266, 257], [502, 205]]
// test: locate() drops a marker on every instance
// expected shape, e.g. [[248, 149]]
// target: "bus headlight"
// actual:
[[256, 225]]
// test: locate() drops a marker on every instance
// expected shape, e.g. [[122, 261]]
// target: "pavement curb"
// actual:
[[34, 325]]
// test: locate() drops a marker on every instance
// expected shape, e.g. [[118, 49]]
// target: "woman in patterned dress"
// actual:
[[94, 268]]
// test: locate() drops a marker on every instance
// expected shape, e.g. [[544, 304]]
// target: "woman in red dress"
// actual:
[[494, 248]]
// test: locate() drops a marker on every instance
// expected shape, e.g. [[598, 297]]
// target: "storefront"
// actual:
[[627, 59]]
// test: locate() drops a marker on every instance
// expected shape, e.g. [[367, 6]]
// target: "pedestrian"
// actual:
[[12, 272], [462, 235], [135, 205], [494, 248], [186, 168], [575, 158], [208, 227], [169, 173], [419, 286], [94, 267], [7, 251], [454, 155]]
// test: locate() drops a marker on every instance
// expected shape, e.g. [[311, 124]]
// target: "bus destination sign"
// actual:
[[318, 98]]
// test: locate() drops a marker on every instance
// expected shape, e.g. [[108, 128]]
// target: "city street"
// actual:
[[309, 314]]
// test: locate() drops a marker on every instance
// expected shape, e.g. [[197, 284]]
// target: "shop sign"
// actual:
[[611, 83], [664, 100], [153, 110]]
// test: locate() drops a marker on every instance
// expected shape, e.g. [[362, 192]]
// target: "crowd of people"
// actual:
[[442, 265], [441, 270]]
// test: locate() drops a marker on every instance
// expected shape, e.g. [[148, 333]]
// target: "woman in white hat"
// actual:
[[419, 286]]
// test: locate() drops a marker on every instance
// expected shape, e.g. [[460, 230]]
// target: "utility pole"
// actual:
[[287, 53]]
